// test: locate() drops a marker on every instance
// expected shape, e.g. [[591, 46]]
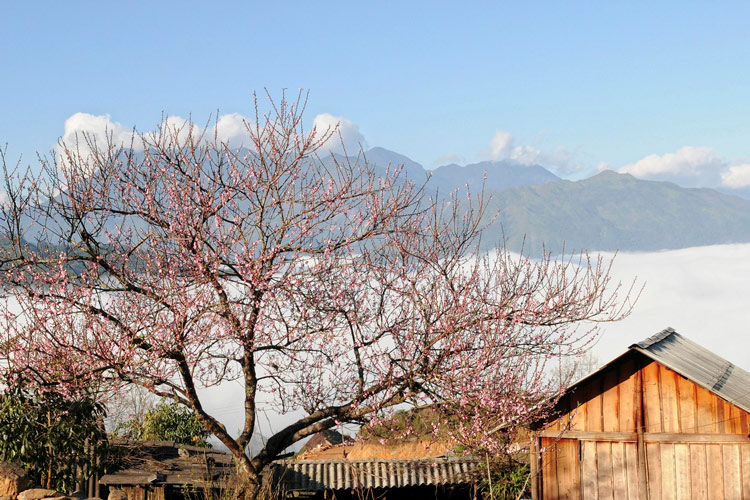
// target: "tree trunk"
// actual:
[[49, 472], [247, 484], [50, 451]]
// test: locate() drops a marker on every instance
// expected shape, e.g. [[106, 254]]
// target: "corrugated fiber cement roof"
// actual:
[[314, 475]]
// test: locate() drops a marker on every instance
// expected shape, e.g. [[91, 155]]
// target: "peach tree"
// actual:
[[322, 285]]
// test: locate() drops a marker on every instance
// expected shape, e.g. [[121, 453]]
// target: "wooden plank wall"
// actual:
[[672, 403], [699, 470], [606, 404], [144, 492], [155, 493], [679, 471]]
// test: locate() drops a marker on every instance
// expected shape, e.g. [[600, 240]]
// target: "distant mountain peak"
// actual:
[[491, 175], [611, 174], [378, 152], [383, 158]]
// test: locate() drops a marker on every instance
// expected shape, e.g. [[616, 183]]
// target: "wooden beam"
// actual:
[[590, 436], [648, 437], [534, 462], [667, 437], [640, 428]]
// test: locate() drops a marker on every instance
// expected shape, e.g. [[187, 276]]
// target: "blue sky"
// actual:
[[586, 85]]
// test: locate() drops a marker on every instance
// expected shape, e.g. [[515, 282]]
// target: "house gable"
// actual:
[[608, 401]]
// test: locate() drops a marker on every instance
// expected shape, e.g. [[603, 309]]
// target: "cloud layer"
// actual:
[[737, 176], [231, 130], [701, 292], [84, 132], [688, 166]]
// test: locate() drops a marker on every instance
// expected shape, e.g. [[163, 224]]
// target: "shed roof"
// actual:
[[315, 475], [164, 462], [698, 364]]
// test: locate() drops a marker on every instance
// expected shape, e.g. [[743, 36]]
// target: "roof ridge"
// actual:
[[656, 338], [354, 461]]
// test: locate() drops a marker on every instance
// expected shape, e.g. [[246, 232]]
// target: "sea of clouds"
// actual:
[[701, 292]]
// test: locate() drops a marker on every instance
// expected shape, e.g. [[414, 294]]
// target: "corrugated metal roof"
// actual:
[[314, 475], [696, 363]]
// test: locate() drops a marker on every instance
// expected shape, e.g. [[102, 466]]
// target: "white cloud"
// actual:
[[737, 176], [501, 145], [560, 159], [346, 134], [84, 131], [689, 161], [692, 166], [177, 125], [526, 155], [231, 130]]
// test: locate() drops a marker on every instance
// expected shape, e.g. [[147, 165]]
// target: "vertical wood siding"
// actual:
[[697, 470], [606, 470]]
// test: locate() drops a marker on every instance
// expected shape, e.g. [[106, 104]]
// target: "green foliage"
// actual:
[[166, 421], [55, 439], [508, 480]]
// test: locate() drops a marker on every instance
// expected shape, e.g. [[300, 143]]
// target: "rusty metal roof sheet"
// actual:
[[314, 475], [696, 363]]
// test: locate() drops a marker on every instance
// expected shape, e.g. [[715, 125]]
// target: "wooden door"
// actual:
[[609, 471], [560, 469]]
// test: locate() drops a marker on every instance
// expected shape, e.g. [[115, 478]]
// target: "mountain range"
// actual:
[[537, 211], [531, 210]]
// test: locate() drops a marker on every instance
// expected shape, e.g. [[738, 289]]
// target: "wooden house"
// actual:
[[666, 419]]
